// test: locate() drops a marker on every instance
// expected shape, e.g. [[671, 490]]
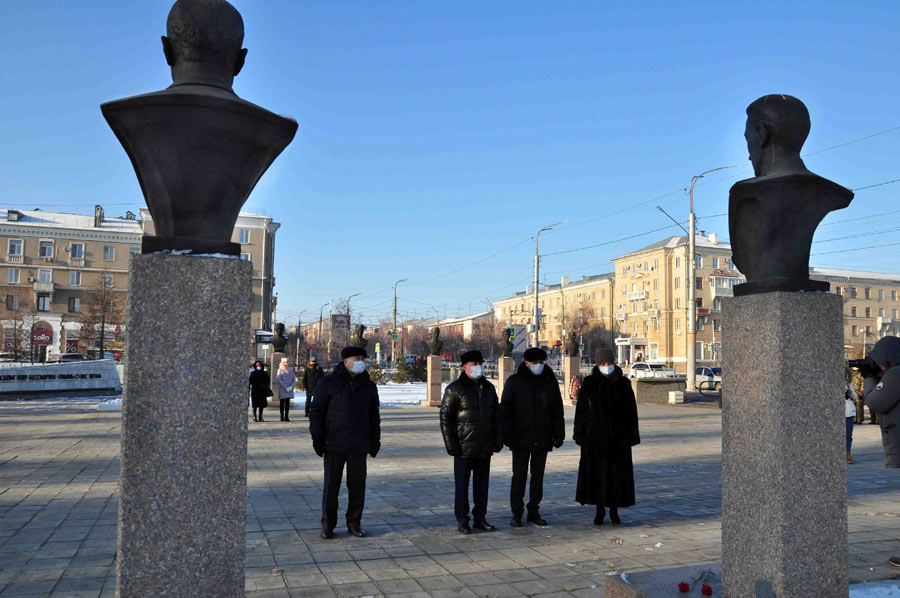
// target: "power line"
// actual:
[[855, 249]]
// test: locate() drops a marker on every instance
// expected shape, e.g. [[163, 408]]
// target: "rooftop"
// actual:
[[42, 219], [854, 274], [465, 318], [701, 241]]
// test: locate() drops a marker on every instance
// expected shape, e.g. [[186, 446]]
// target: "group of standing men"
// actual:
[[345, 426]]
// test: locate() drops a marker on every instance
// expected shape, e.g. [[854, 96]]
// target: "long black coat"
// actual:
[[606, 427], [532, 411], [260, 384], [311, 377], [470, 418], [344, 413]]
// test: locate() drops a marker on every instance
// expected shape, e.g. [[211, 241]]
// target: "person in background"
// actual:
[[260, 386], [312, 373], [849, 411], [606, 427], [286, 382]]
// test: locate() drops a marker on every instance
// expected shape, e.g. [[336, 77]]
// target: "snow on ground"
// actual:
[[876, 589]]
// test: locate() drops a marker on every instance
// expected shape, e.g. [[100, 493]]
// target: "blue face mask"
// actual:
[[359, 367], [476, 371], [537, 369]]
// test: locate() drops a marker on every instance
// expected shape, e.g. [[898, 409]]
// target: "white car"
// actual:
[[708, 378], [651, 370]]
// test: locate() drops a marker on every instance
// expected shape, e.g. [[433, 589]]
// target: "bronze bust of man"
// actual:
[[197, 148], [279, 341], [358, 339], [772, 217], [572, 345], [504, 344], [435, 344]]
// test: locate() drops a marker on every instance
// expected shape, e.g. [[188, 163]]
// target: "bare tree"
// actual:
[[18, 312], [103, 305]]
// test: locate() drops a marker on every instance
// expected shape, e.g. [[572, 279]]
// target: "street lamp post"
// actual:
[[348, 306], [394, 330], [537, 261], [299, 321], [319, 334], [692, 289]]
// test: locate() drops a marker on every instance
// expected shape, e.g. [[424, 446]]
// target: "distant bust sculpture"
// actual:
[[279, 341], [772, 217], [572, 345], [358, 339], [435, 344], [504, 344], [197, 148]]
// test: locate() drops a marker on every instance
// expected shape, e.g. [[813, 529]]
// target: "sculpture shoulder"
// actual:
[[797, 185]]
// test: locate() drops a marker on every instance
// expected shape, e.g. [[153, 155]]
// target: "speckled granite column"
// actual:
[[784, 495], [433, 370], [183, 480]]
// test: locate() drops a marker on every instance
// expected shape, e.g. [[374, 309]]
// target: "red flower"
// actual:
[[706, 590], [684, 588]]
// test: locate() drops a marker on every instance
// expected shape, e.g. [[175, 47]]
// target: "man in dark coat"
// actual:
[[345, 424], [312, 373], [606, 427], [533, 423], [470, 424]]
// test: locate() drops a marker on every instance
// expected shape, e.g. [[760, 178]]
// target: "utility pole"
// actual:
[[692, 289], [297, 356], [537, 261], [274, 310], [394, 330], [319, 333], [330, 329], [349, 322]]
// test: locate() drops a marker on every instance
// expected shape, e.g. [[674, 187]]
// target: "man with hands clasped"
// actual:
[[345, 425]]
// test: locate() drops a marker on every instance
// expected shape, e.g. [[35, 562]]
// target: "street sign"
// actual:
[[378, 347], [395, 337], [512, 333], [581, 347]]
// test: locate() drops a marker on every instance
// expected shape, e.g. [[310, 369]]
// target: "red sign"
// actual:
[[702, 311], [42, 337]]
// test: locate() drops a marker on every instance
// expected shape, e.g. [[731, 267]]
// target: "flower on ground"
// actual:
[[684, 588], [706, 590]]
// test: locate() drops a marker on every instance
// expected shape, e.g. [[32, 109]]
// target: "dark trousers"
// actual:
[[850, 422], [356, 488], [308, 401], [520, 474], [480, 471], [284, 407]]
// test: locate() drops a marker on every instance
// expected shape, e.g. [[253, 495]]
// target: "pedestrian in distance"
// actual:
[[606, 427], [531, 410], [345, 425], [286, 382], [260, 389], [312, 373], [470, 425], [882, 396], [849, 412]]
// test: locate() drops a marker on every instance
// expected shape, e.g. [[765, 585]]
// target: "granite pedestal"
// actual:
[[433, 368], [506, 367], [571, 367], [273, 371], [183, 479], [784, 495]]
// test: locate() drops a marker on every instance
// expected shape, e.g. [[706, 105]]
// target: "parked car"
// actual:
[[651, 370], [69, 357], [708, 378]]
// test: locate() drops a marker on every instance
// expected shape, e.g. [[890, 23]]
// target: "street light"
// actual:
[[319, 334], [692, 289], [537, 261], [348, 305], [297, 356], [394, 330]]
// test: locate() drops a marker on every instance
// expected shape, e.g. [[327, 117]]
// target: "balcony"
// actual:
[[653, 313], [76, 262], [620, 316], [721, 292], [43, 287], [636, 295], [15, 259]]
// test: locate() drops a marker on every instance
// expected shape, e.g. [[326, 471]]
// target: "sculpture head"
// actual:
[[360, 330], [435, 333], [505, 334], [203, 43], [279, 329], [777, 127]]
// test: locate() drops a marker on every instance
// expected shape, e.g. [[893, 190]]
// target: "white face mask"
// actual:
[[606, 370], [359, 367], [537, 369], [476, 371], [259, 367]]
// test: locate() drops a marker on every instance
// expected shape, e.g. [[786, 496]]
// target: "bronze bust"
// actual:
[[772, 217], [358, 339], [504, 344], [197, 148], [279, 341], [435, 344], [572, 345]]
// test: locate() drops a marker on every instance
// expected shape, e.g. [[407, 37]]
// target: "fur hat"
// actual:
[[535, 354], [473, 356], [353, 351]]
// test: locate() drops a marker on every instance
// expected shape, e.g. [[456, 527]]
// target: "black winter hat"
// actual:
[[353, 351], [474, 356], [535, 354]]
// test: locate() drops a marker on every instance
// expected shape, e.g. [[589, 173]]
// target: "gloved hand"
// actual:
[[319, 446], [376, 446], [498, 447], [557, 442], [454, 452]]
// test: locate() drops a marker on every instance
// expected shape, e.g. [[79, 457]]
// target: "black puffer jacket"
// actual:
[[883, 397], [532, 411], [344, 413], [470, 418]]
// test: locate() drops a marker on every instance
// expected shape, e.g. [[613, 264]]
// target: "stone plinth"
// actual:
[[571, 367], [655, 390], [784, 495], [273, 371], [433, 378], [663, 583], [183, 480], [506, 367]]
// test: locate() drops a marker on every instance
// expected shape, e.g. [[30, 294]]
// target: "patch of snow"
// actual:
[[875, 590], [390, 395], [110, 405]]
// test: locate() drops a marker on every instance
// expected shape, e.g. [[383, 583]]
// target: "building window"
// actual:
[[45, 275], [678, 326], [635, 328], [677, 262], [677, 283], [12, 275], [593, 295], [43, 302], [654, 351], [881, 294], [698, 261], [853, 331], [894, 314], [74, 304], [12, 302], [244, 235], [656, 325], [75, 279], [880, 312], [853, 311], [46, 249], [716, 325], [867, 293], [677, 302], [717, 304], [730, 264], [16, 247], [699, 325], [134, 250], [715, 263], [868, 331], [656, 264], [698, 283], [603, 312], [656, 285], [109, 253], [245, 256], [107, 280], [838, 290], [76, 251], [868, 312], [893, 295], [853, 292]]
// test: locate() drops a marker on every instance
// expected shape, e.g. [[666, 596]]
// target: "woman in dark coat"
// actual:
[[606, 427], [260, 385]]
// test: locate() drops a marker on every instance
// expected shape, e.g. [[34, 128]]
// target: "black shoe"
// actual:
[[327, 534], [599, 517], [484, 526], [261, 419], [536, 519], [895, 561], [287, 419], [254, 419], [355, 531], [464, 528], [614, 517], [515, 521]]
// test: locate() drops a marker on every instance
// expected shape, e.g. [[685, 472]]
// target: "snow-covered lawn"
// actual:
[[876, 589]]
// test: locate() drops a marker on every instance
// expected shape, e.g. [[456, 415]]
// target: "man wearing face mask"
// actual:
[[470, 424], [533, 424], [345, 425]]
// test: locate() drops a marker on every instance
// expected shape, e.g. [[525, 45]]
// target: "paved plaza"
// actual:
[[59, 470]]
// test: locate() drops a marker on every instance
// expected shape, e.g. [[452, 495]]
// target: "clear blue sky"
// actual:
[[435, 134]]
